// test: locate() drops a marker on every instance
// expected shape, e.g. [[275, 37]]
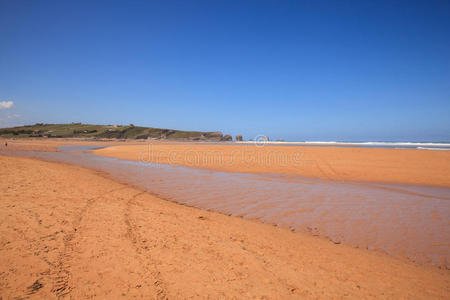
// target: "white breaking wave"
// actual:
[[417, 144], [421, 145], [425, 148]]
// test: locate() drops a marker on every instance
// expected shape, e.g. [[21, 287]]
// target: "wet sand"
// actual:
[[52, 144], [405, 166], [70, 231], [405, 221], [402, 220]]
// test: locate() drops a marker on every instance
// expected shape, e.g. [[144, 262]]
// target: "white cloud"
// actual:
[[6, 104]]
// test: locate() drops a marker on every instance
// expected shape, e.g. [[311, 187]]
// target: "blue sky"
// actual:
[[298, 70]]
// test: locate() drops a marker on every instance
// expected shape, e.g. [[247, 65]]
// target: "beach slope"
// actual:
[[69, 231]]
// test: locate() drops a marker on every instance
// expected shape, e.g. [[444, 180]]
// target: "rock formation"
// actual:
[[227, 137]]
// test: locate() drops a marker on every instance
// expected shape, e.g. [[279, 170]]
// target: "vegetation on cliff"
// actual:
[[79, 130]]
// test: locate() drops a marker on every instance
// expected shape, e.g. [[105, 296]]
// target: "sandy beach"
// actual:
[[69, 231], [225, 150], [403, 166], [418, 167]]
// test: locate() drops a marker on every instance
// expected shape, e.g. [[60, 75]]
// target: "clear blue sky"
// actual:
[[299, 70]]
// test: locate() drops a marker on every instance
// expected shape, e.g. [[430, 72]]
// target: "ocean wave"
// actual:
[[427, 148], [418, 144], [430, 145]]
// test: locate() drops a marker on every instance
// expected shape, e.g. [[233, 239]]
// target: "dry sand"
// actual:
[[69, 231], [52, 144], [409, 166]]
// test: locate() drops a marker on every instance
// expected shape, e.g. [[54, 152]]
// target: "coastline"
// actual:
[[376, 165], [70, 234], [320, 207]]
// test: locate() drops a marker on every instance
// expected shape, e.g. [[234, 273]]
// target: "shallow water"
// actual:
[[402, 220]]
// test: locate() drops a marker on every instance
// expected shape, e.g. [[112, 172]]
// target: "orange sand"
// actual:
[[410, 166], [45, 144], [70, 232]]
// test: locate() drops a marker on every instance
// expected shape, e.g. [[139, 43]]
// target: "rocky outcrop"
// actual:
[[214, 136], [227, 137], [239, 138]]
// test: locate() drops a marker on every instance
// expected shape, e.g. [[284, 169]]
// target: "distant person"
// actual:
[[6, 144]]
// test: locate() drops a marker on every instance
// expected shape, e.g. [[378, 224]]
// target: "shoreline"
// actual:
[[374, 165], [204, 200], [312, 205], [313, 253]]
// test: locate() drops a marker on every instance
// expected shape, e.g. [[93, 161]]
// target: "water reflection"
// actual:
[[402, 220]]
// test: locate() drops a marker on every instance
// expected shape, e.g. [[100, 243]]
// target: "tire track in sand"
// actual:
[[141, 249], [62, 275]]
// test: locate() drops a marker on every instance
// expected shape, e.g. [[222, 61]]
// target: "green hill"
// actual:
[[79, 130]]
